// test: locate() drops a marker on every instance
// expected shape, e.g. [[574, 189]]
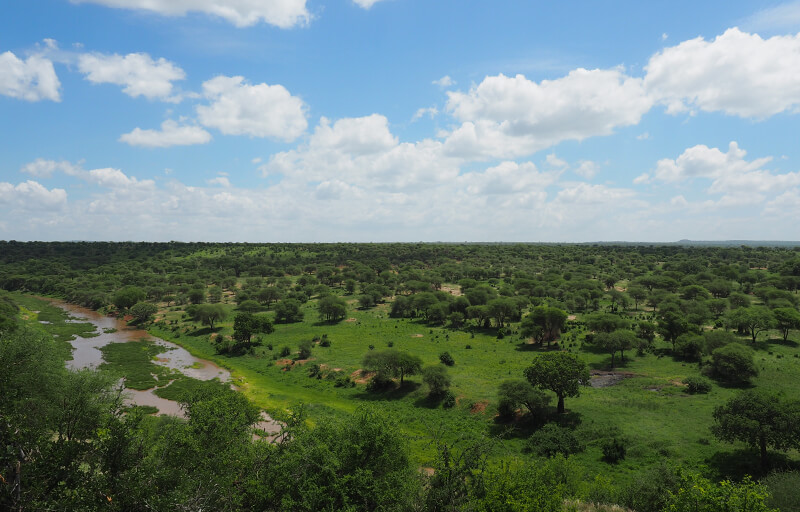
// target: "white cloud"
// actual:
[[556, 162], [509, 178], [430, 112], [366, 4], [587, 194], [262, 110], [587, 169], [242, 13], [641, 179], [32, 195], [643, 136], [739, 181], [703, 162], [137, 73], [445, 81], [42, 168], [222, 181], [33, 79], [362, 151], [782, 16], [171, 134], [505, 117], [737, 73]]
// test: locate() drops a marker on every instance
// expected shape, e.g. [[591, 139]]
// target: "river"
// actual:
[[86, 354]]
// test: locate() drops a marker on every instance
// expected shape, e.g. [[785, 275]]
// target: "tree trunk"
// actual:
[[560, 404], [763, 445]]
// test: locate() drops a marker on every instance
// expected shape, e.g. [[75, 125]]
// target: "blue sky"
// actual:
[[399, 120]]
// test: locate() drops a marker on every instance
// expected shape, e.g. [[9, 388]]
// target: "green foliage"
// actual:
[[786, 319], [288, 311], [127, 296], [515, 393], [392, 363], [614, 450], [331, 308], [305, 349], [698, 494], [446, 359], [760, 419], [437, 379], [245, 325], [560, 372], [143, 311], [543, 324], [209, 314], [733, 363], [697, 385], [553, 439]]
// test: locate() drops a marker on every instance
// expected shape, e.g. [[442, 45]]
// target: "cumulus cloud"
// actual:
[[171, 134], [509, 178], [587, 169], [739, 181], [362, 151], [32, 79], [506, 117], [32, 195], [222, 181], [737, 73], [137, 73], [422, 112], [242, 13], [445, 81], [238, 108], [42, 168]]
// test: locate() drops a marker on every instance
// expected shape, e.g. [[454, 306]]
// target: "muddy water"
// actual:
[[87, 354]]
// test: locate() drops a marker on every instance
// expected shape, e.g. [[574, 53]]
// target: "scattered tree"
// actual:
[[560, 372]]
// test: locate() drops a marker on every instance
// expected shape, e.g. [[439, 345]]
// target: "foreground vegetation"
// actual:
[[436, 377]]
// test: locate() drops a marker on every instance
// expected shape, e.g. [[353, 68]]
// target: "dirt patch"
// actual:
[[416, 335], [572, 317], [427, 471], [351, 320], [284, 362], [678, 383], [453, 290], [605, 379], [361, 377], [479, 407]]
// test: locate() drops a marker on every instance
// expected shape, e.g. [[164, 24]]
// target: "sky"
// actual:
[[399, 120]]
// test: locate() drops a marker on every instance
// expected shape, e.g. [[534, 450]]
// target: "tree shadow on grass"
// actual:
[[521, 427], [429, 401], [741, 462], [202, 331], [605, 364], [537, 347], [394, 393]]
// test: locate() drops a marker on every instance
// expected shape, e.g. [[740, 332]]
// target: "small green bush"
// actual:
[[446, 359], [449, 400], [285, 352], [697, 385], [614, 450]]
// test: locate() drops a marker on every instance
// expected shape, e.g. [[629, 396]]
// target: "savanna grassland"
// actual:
[[321, 337]]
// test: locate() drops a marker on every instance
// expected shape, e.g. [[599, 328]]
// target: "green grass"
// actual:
[[651, 411], [133, 362]]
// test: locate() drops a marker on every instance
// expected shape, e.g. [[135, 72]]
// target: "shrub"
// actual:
[[733, 363], [285, 351], [449, 400], [437, 379], [553, 439], [314, 370], [697, 385], [446, 359], [305, 350], [344, 382], [613, 450]]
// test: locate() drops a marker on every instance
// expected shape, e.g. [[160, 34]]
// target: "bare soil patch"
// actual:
[[453, 290], [601, 379], [360, 376], [416, 335], [479, 407], [351, 320]]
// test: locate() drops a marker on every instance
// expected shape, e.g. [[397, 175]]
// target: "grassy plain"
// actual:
[[649, 409]]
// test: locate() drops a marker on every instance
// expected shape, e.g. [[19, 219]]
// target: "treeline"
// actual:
[[68, 443]]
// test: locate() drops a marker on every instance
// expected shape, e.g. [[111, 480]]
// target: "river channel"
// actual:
[[86, 354]]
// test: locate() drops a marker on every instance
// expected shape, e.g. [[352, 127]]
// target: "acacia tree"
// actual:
[[392, 363], [560, 372], [209, 314], [332, 308], [143, 311], [619, 340], [753, 320], [543, 324], [245, 325], [760, 419], [786, 319]]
